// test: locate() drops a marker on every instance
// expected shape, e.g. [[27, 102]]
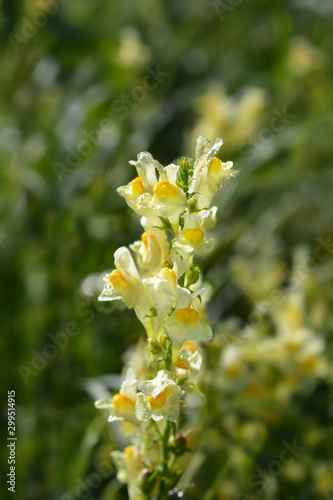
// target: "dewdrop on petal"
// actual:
[[185, 324], [188, 364], [192, 238], [151, 250], [158, 278], [160, 398], [209, 172]]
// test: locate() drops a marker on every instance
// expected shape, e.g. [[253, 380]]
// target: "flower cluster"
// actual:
[[259, 379], [157, 278]]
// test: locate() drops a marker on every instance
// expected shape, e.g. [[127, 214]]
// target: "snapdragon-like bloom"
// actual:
[[165, 291], [122, 405], [209, 172], [185, 322], [158, 278], [167, 199], [160, 398], [188, 364], [144, 182], [129, 463], [192, 238], [125, 284], [151, 250]]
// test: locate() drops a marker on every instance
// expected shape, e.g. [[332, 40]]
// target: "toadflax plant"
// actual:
[[158, 279]]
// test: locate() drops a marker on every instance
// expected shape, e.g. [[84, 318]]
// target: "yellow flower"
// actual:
[[164, 290], [151, 250], [209, 172], [129, 464], [160, 398], [192, 239], [166, 199], [122, 405], [188, 364], [146, 169], [125, 284], [185, 322], [231, 361]]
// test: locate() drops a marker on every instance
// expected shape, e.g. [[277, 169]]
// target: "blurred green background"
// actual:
[[85, 86]]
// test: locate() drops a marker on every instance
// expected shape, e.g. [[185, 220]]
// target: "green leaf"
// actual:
[[185, 172], [189, 195], [166, 225], [193, 276], [153, 311]]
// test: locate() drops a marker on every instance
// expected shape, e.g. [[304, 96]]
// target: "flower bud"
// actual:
[[154, 346], [180, 440], [144, 480]]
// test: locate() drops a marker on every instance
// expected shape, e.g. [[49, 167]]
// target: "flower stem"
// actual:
[[165, 459]]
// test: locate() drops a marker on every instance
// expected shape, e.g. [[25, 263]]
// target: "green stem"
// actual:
[[165, 460], [157, 429]]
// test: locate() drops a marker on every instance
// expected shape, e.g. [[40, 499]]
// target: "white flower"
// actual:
[[231, 361], [132, 192], [188, 364], [129, 464], [146, 168], [125, 284], [185, 323], [122, 405], [160, 398], [209, 172], [164, 290], [291, 315], [152, 195], [151, 250], [311, 359], [166, 200], [192, 238]]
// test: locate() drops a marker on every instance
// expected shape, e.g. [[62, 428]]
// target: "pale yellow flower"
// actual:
[[165, 291], [122, 405], [160, 398], [151, 250], [145, 181], [209, 172], [192, 238], [125, 284], [188, 364], [167, 199], [185, 322], [129, 464], [231, 362]]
